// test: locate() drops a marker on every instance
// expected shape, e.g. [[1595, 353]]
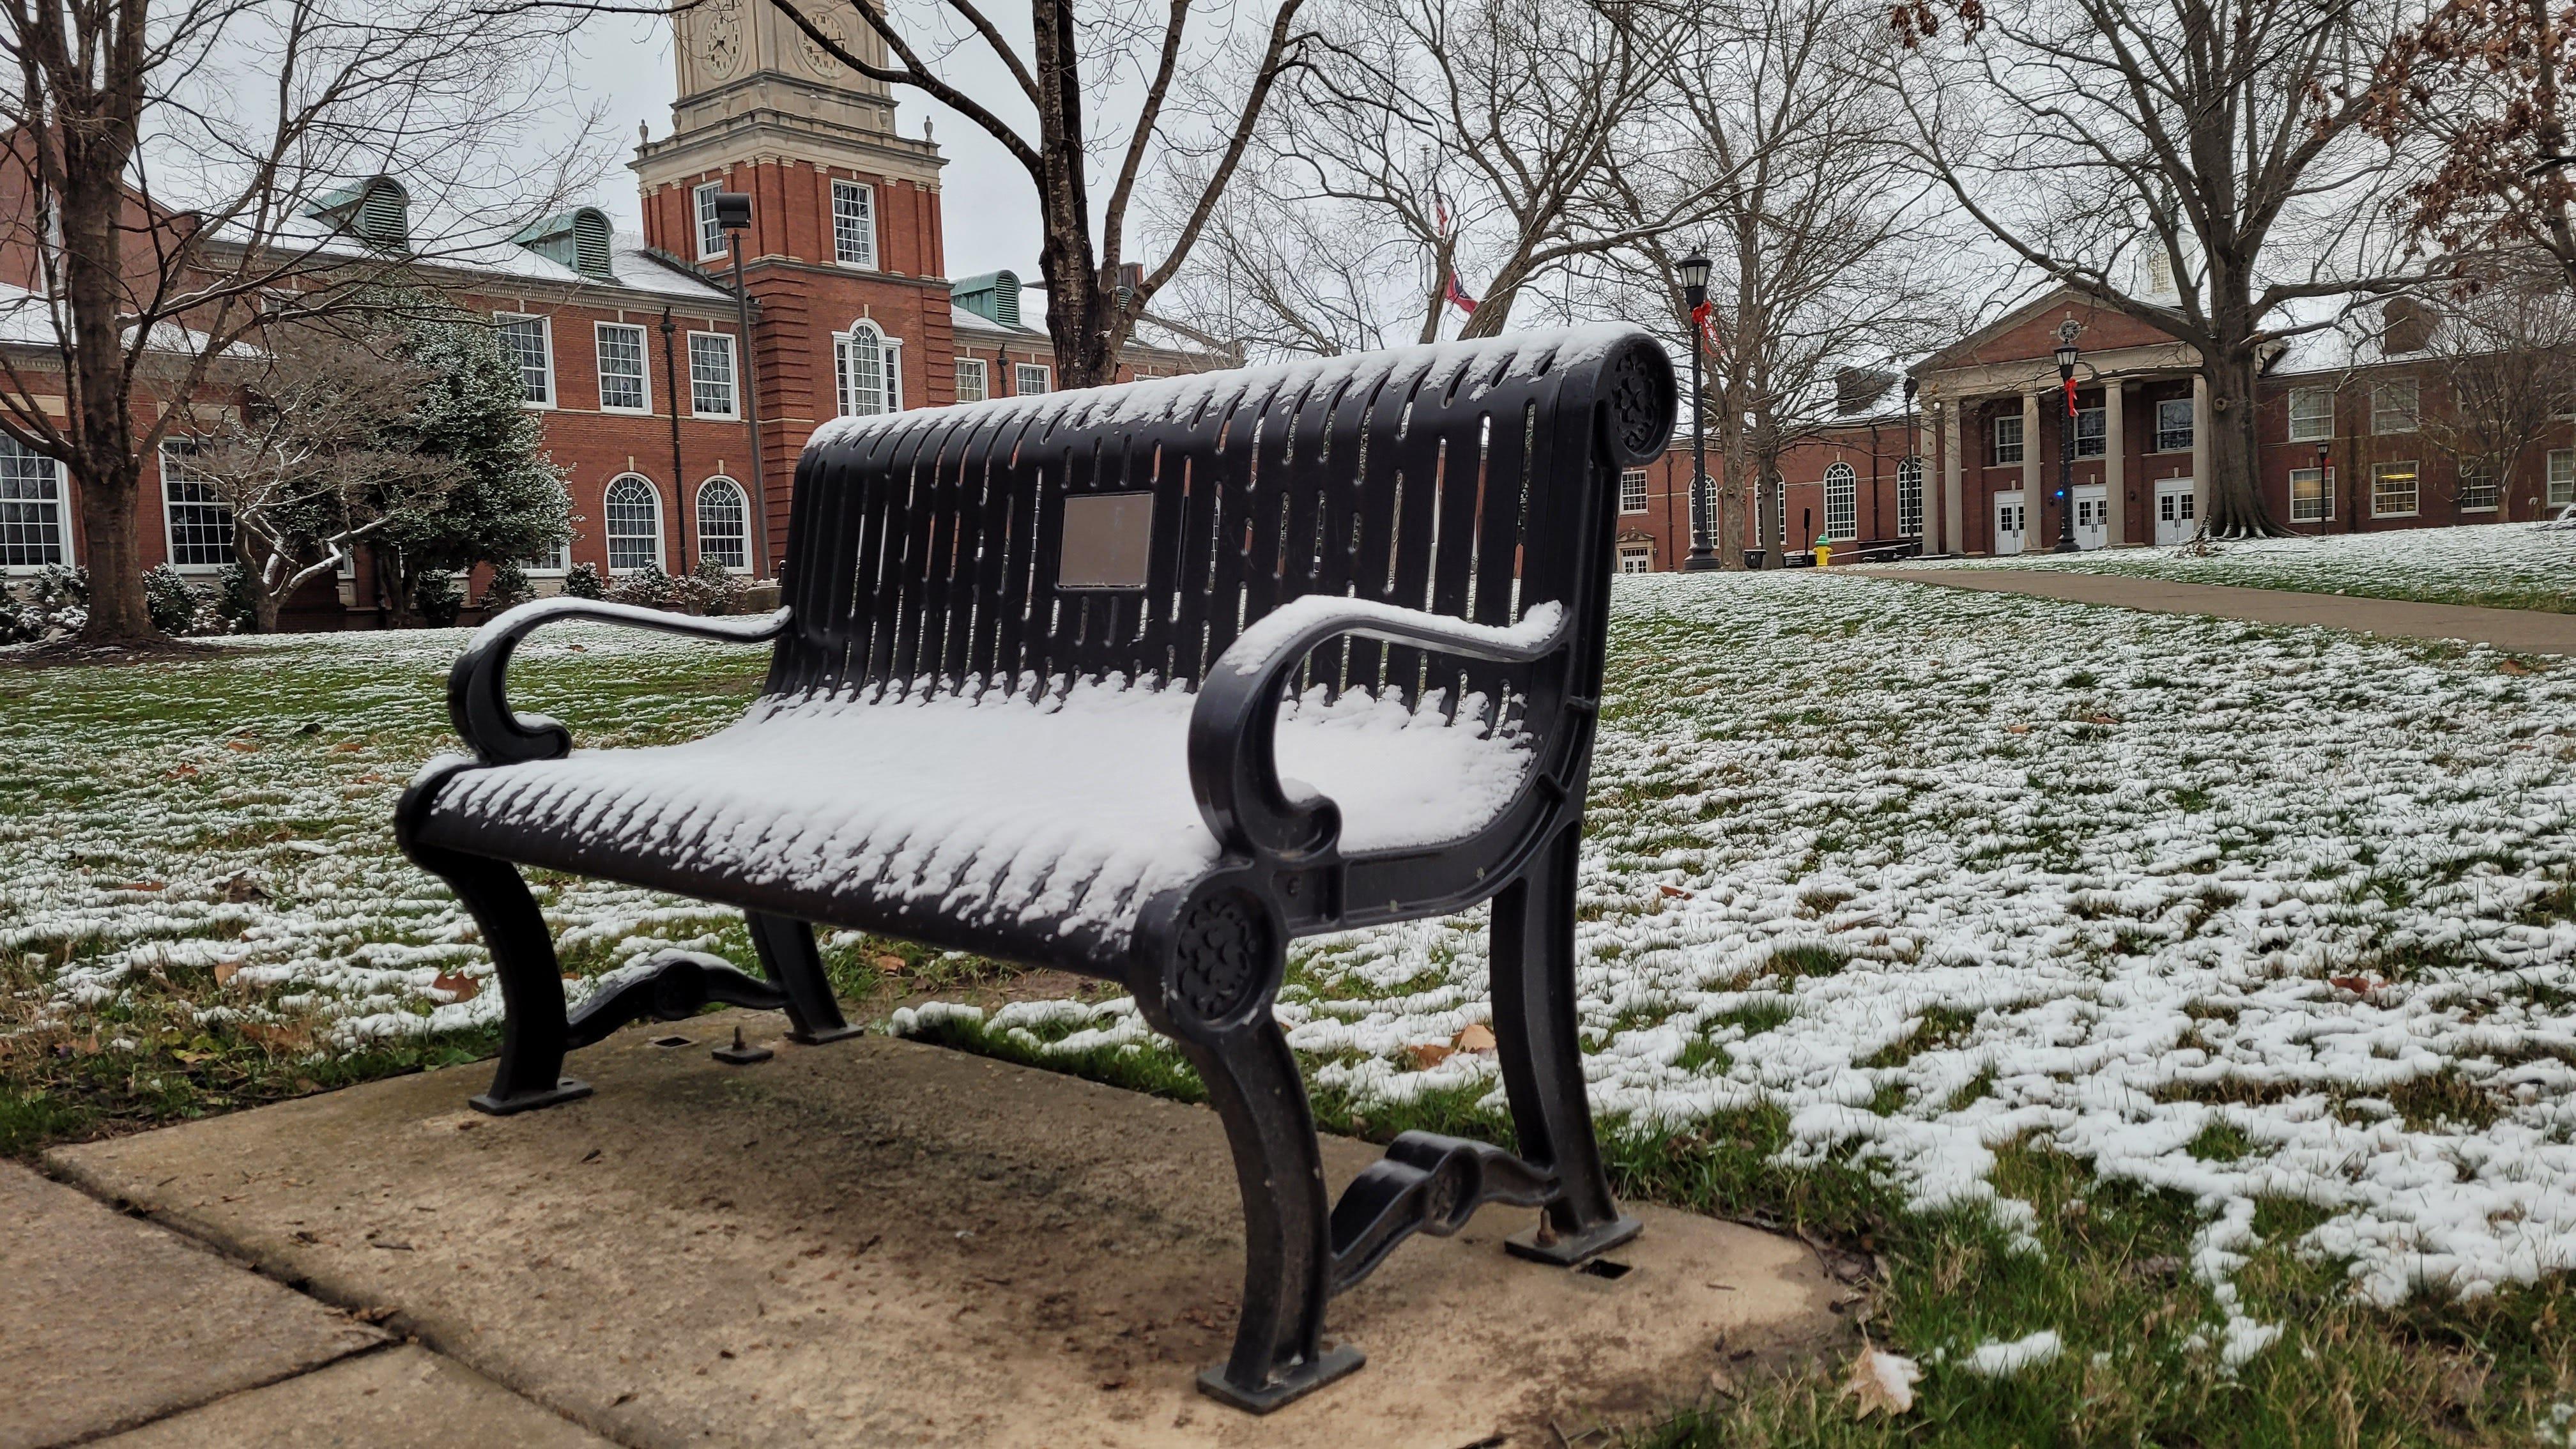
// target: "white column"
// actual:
[[2034, 511], [1921, 446], [2115, 460], [1954, 532], [2200, 450]]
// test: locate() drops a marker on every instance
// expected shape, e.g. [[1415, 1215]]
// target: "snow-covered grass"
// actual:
[[2495, 565], [2193, 992], [200, 899], [2243, 949]]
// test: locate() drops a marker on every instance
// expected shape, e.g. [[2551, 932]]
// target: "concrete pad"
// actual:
[[879, 1242], [402, 1398], [106, 1322]]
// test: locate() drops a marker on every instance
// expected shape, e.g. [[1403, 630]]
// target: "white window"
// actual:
[[2311, 495], [530, 343], [2393, 406], [2562, 476], [2311, 414], [1632, 490], [1780, 513], [854, 224], [199, 525], [2174, 425], [1842, 494], [2392, 490], [1028, 379], [2007, 438], [623, 386], [2477, 486], [1636, 558], [711, 393], [1909, 498], [724, 524], [973, 382], [35, 526], [711, 236], [869, 374], [634, 524], [2089, 439]]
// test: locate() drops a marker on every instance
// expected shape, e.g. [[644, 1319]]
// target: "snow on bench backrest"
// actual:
[[1132, 532]]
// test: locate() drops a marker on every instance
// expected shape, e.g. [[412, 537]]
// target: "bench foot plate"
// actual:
[[802, 1037], [1567, 1249], [1331, 1364], [565, 1089]]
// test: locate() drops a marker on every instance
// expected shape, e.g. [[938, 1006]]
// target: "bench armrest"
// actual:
[[477, 688], [1233, 744]]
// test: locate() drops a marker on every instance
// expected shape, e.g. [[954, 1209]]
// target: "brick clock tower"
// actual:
[[843, 260]]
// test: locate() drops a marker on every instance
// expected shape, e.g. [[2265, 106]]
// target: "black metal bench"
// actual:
[[1038, 666]]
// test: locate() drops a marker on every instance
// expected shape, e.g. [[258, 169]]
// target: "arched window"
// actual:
[[1909, 498], [724, 524], [1842, 502], [869, 369], [634, 524]]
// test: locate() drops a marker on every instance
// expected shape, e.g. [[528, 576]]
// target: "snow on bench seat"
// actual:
[[1053, 822]]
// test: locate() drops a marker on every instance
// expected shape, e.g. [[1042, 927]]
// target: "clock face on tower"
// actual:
[[720, 36], [823, 61]]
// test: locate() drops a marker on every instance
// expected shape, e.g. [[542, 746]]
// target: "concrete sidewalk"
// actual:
[[2520, 631], [116, 1325], [879, 1242]]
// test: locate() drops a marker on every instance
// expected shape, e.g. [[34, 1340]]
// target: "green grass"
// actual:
[[2109, 1272]]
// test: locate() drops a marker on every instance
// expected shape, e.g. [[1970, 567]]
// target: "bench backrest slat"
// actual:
[[926, 550]]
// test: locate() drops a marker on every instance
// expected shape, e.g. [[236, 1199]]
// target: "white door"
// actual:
[[1636, 558], [2176, 513], [2092, 515], [2008, 522]]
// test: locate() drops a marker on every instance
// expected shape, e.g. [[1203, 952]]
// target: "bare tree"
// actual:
[[1818, 231], [1066, 73], [1440, 142], [170, 170], [312, 459], [2221, 137], [2503, 346]]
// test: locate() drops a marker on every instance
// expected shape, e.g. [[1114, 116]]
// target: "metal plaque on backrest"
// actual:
[[1107, 541]]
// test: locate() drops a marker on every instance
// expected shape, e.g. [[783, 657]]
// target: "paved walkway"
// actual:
[[2521, 631], [118, 1325]]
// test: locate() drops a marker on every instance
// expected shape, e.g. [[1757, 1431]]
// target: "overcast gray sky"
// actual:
[[623, 66]]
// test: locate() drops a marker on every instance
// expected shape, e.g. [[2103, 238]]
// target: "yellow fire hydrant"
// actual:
[[1824, 554]]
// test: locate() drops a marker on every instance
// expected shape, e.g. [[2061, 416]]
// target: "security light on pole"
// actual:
[[1692, 271]]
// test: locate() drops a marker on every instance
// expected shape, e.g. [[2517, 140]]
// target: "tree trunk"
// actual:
[[2237, 506], [113, 550], [1734, 465]]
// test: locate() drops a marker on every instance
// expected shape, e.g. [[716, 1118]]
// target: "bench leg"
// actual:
[[789, 959], [1535, 1030], [533, 1034], [1278, 1355]]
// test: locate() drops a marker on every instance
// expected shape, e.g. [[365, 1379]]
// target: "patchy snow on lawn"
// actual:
[[2500, 565], [2234, 911], [224, 828]]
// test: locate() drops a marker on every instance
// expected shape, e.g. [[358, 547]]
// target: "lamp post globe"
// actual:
[[2066, 355], [1692, 272]]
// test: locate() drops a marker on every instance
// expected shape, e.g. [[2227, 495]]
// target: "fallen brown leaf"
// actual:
[[889, 963], [460, 988], [244, 747], [1475, 1037], [348, 747], [1429, 1054], [1674, 890], [1881, 1383], [225, 971]]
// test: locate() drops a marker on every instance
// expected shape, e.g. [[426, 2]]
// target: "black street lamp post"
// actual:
[[1694, 278], [733, 214], [2066, 437], [2323, 452]]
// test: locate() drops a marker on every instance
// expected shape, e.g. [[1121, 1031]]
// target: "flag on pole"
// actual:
[[1457, 296]]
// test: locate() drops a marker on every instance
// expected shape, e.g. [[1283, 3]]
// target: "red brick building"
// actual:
[[1967, 463], [630, 346]]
